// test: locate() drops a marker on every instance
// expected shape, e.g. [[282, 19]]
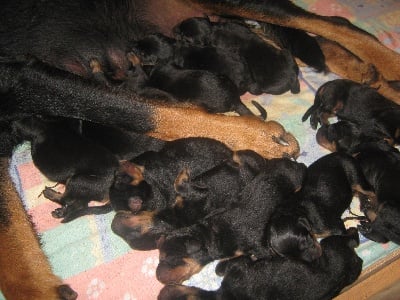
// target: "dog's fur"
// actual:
[[102, 30], [282, 278]]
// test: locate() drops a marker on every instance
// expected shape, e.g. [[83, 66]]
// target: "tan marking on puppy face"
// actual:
[[142, 220], [95, 66], [134, 59], [179, 274], [133, 170], [178, 202], [370, 194], [182, 177]]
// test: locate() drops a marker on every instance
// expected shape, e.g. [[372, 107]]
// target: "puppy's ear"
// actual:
[[303, 221], [181, 181], [354, 239]]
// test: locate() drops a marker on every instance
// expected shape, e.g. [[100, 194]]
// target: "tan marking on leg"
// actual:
[[25, 272], [238, 133]]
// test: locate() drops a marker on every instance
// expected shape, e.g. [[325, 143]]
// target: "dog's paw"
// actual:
[[66, 292]]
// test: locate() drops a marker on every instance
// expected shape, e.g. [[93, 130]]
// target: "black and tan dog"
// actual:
[[67, 38], [283, 278], [380, 163], [328, 190], [354, 102]]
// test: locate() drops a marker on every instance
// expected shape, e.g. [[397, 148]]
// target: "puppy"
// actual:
[[346, 136], [236, 231], [282, 278], [380, 163], [351, 101], [299, 43], [273, 71], [328, 190], [63, 155], [214, 91]]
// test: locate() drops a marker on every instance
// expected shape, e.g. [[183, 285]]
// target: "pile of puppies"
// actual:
[[368, 128], [199, 202], [196, 200], [212, 63]]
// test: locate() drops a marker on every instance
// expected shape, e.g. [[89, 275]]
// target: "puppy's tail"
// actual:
[[261, 109]]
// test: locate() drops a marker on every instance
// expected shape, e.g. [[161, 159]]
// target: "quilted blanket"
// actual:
[[99, 265]]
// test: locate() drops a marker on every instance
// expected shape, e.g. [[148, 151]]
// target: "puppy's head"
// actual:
[[182, 254], [329, 99], [289, 235], [193, 31], [340, 136], [383, 224], [153, 48], [142, 230]]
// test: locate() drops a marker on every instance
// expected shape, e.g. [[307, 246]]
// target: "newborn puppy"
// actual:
[[346, 136], [273, 70], [63, 155], [351, 101], [215, 92], [328, 190], [282, 278], [299, 43], [381, 165], [202, 86]]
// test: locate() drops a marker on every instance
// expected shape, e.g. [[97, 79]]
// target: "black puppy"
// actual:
[[351, 101], [299, 43], [273, 70], [214, 91], [328, 190], [346, 136], [242, 229], [381, 165], [282, 278], [63, 155]]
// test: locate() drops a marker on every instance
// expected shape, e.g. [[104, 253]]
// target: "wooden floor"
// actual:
[[391, 293], [380, 281]]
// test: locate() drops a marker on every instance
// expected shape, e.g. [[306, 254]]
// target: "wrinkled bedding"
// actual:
[[99, 265]]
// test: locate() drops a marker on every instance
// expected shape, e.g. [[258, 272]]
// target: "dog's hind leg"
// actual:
[[22, 277], [340, 30]]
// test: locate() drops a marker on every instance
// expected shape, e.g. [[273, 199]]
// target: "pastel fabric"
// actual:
[[99, 265]]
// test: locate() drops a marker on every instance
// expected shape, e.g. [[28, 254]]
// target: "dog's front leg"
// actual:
[[25, 272]]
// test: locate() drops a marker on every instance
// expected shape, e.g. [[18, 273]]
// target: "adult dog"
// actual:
[[69, 37]]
